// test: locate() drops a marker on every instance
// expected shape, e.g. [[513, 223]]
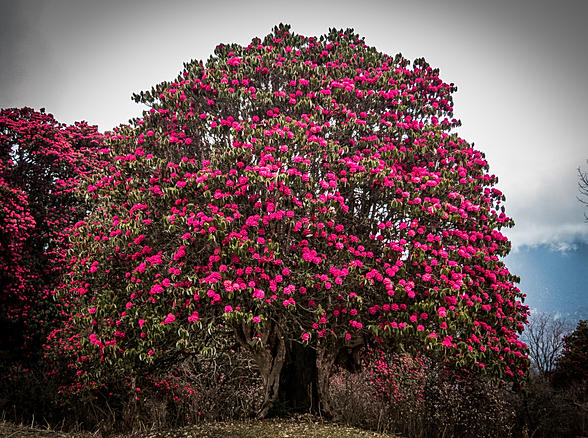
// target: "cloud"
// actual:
[[562, 238], [519, 67]]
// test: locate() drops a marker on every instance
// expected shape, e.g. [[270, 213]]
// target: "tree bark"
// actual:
[[296, 377], [269, 356], [325, 361], [270, 362]]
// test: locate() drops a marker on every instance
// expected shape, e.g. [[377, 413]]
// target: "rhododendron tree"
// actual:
[[41, 163], [312, 195]]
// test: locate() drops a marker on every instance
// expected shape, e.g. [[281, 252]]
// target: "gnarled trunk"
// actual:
[[295, 376], [325, 361], [304, 381], [270, 357]]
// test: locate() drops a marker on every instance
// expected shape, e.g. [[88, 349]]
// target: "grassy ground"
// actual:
[[300, 427]]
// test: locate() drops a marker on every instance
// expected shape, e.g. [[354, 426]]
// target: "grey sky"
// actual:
[[520, 68]]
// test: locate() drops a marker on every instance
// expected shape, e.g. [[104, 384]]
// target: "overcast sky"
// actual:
[[520, 67]]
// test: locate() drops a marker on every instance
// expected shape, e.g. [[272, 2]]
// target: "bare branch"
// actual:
[[583, 188], [544, 336]]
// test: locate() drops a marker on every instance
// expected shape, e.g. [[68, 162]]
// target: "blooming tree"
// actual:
[[312, 195], [41, 164]]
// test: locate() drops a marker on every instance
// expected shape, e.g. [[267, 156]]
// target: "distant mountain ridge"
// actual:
[[554, 277]]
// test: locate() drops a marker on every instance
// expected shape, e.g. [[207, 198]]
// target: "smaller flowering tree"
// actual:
[[42, 162], [311, 195], [16, 222]]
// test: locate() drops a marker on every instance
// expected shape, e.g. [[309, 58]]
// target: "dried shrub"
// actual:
[[419, 398], [466, 405]]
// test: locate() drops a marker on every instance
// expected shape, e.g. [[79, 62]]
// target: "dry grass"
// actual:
[[304, 426], [11, 430]]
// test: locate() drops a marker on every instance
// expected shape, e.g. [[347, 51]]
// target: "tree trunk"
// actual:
[[304, 381], [270, 364], [269, 356], [325, 360], [296, 377]]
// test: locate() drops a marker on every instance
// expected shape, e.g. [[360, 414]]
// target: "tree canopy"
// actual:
[[311, 194]]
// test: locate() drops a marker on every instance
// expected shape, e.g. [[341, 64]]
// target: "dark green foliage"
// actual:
[[572, 365]]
